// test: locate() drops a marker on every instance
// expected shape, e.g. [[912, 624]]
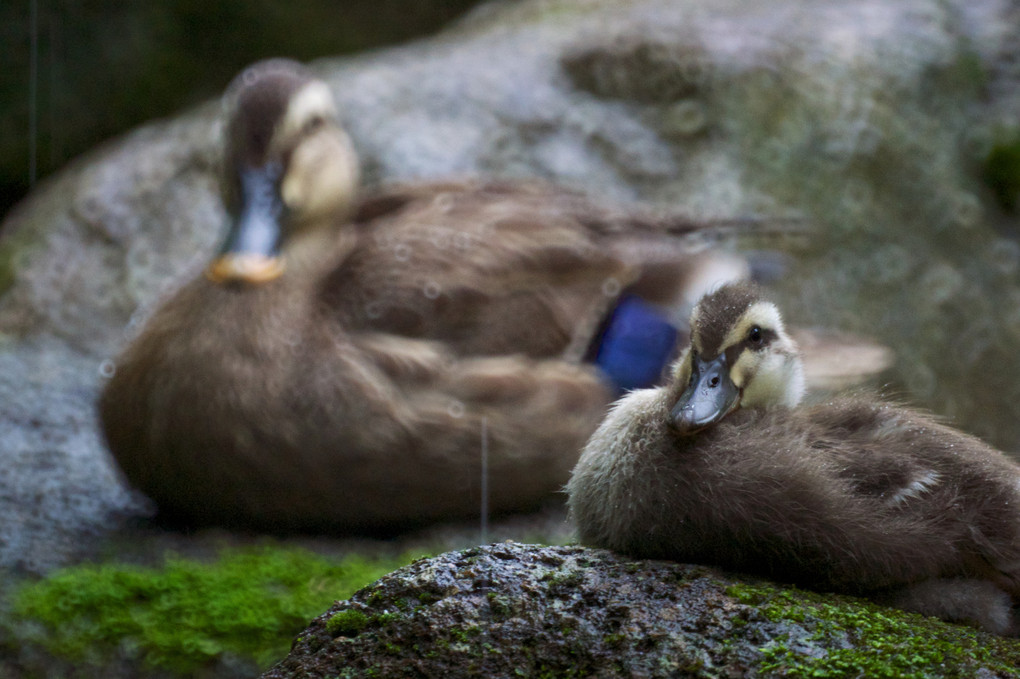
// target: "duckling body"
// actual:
[[852, 494], [343, 363]]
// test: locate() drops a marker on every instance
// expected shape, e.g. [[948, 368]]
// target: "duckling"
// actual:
[[723, 465], [343, 361]]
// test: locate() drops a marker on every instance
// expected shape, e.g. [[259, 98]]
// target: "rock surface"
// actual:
[[509, 610]]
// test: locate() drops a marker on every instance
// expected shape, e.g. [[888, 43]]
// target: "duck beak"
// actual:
[[251, 251], [710, 396]]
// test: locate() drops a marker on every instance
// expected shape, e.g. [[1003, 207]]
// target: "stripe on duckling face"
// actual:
[[747, 362], [762, 315]]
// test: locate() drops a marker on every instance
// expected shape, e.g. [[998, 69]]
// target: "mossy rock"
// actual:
[[510, 609], [229, 617]]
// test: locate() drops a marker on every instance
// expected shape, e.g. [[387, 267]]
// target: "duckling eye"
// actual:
[[754, 336]]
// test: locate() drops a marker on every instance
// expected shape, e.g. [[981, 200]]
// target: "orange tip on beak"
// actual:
[[245, 267]]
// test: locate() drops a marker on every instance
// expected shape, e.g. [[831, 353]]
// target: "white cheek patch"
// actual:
[[922, 483], [746, 367], [761, 378], [772, 379], [322, 174]]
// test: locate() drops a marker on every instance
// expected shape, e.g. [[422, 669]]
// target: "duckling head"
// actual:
[[289, 168], [740, 357]]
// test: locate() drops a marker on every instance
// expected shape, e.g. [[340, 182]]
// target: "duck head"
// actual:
[[288, 168], [740, 357]]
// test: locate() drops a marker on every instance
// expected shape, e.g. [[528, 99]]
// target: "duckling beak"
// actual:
[[251, 251], [710, 396]]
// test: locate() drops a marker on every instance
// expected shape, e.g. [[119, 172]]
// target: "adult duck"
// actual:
[[346, 364], [723, 466]]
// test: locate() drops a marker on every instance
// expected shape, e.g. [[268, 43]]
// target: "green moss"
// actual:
[[465, 634], [883, 642], [500, 605], [1001, 170], [560, 578], [248, 603], [384, 619], [347, 623], [618, 639], [428, 598]]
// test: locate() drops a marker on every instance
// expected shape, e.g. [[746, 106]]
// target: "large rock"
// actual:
[[870, 119], [510, 610]]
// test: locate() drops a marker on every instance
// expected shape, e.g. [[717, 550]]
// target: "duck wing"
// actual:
[[517, 421], [873, 448], [498, 268], [947, 484]]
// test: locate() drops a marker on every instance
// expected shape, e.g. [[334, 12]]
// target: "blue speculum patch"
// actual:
[[636, 345]]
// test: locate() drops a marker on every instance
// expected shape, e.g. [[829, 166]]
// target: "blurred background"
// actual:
[[100, 68], [892, 130]]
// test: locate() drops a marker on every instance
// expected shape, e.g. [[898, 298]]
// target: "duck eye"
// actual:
[[314, 123], [755, 335]]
